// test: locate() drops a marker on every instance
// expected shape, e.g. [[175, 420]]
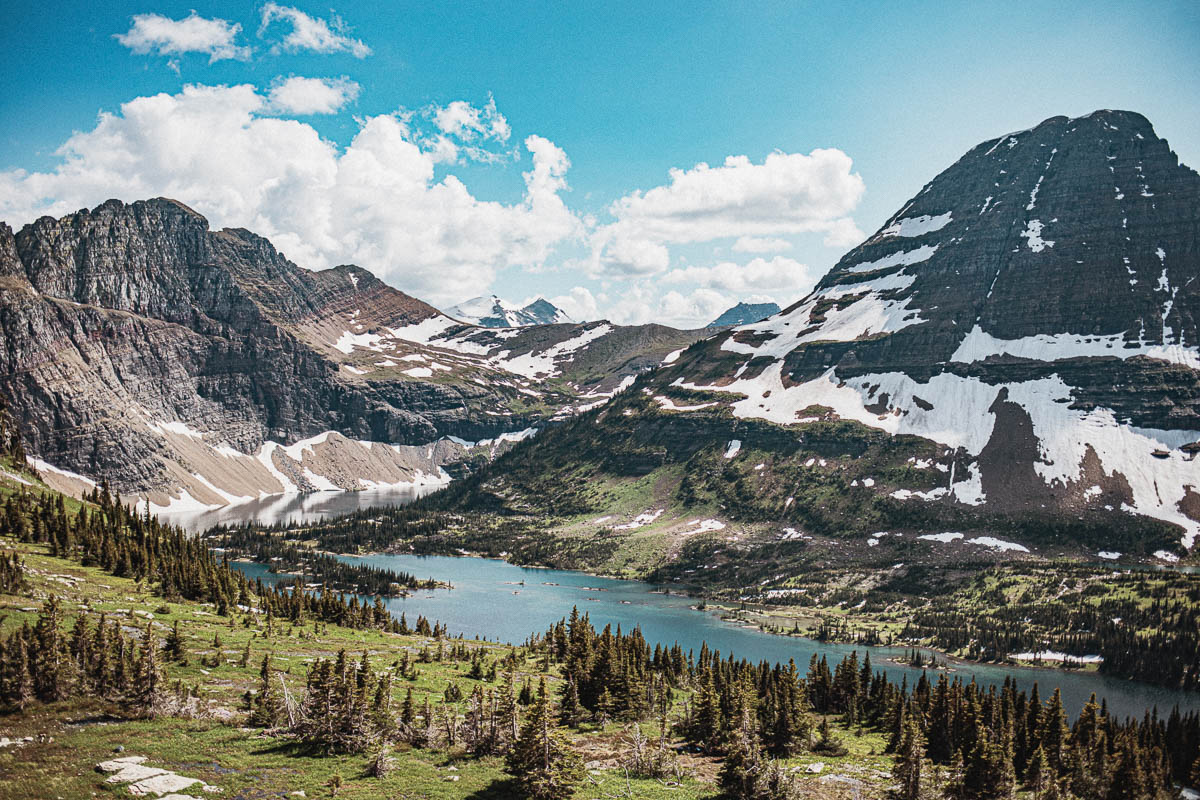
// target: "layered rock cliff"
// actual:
[[196, 366]]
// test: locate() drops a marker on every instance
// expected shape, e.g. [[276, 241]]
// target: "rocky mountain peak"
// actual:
[[494, 312], [1033, 306], [743, 314]]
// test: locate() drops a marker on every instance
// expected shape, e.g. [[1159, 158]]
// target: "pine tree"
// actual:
[[744, 763], [570, 708], [175, 649], [1037, 775], [50, 657], [543, 764], [1052, 733], [148, 689], [267, 708], [910, 757], [707, 723]]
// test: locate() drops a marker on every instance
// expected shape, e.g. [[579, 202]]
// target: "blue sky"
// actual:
[[363, 133]]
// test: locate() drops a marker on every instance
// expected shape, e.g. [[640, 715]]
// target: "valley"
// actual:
[[342, 542], [238, 662]]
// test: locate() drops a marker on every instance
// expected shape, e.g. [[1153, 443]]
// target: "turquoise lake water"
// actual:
[[499, 601]]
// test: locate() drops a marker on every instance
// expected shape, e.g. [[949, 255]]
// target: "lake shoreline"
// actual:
[[696, 591]]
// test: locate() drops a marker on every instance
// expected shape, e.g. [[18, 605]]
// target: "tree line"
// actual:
[[272, 548]]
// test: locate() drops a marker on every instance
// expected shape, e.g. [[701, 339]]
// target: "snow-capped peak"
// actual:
[[493, 312]]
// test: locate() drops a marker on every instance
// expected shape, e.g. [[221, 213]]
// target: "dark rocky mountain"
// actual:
[[192, 366], [744, 314], [1009, 364], [492, 312]]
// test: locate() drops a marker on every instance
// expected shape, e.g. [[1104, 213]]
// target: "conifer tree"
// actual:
[[1037, 775], [541, 761], [267, 708], [175, 648], [910, 757], [149, 675]]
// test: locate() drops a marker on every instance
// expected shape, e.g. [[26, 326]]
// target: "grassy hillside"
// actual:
[[203, 732]]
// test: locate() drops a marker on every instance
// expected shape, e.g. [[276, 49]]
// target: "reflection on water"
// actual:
[[291, 508], [499, 601]]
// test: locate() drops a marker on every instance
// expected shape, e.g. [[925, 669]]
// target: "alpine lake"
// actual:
[[499, 601]]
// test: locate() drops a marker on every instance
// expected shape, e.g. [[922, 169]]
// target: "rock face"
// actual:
[[1033, 309], [744, 314], [190, 365], [492, 312]]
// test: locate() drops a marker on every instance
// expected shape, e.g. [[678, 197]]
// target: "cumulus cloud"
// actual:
[[788, 193], [639, 302], [297, 95], [843, 233], [461, 131], [312, 33], [463, 120], [376, 202], [751, 244], [579, 303], [778, 277], [692, 296], [155, 33], [693, 310]]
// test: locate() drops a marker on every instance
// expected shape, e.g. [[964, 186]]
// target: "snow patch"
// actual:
[[917, 226], [979, 345], [44, 466], [945, 538], [1052, 655], [1033, 236], [901, 257], [998, 544], [641, 520]]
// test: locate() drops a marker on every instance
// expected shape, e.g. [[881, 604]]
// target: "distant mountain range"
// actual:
[[744, 314], [492, 312], [1010, 361]]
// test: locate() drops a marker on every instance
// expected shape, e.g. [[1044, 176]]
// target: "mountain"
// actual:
[[1009, 365], [192, 367], [492, 312], [744, 314]]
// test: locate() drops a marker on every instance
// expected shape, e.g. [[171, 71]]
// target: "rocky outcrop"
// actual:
[[178, 362]]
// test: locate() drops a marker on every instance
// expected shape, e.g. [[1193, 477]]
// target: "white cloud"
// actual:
[[375, 202], [464, 121], [751, 244], [312, 33], [296, 95], [780, 277], [154, 33], [642, 301], [788, 193], [692, 310], [843, 233], [625, 257], [693, 296], [462, 132], [579, 303]]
